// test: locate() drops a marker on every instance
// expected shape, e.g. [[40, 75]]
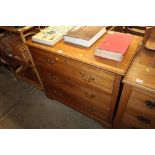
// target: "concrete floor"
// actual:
[[24, 107]]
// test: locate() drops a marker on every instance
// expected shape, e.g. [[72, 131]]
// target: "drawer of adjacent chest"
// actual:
[[142, 101], [140, 109], [130, 122], [138, 120]]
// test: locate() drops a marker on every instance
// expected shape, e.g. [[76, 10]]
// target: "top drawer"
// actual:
[[46, 58], [142, 101], [81, 72]]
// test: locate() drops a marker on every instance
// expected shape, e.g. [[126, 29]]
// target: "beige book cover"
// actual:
[[84, 32]]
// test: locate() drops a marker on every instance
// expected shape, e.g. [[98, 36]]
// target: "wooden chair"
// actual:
[[12, 63], [135, 30], [149, 38], [13, 53]]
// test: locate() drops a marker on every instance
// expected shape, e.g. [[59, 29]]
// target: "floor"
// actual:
[[24, 107]]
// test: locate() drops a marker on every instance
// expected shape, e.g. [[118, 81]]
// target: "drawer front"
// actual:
[[140, 110], [145, 120], [90, 75], [64, 96], [87, 75], [46, 58], [94, 96], [129, 122], [142, 101]]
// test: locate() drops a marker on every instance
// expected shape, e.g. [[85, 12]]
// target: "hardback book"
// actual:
[[114, 46], [51, 34], [84, 35]]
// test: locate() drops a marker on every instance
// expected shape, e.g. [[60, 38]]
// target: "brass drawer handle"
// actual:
[[50, 61], [143, 120], [90, 109], [150, 104], [86, 77], [58, 93], [89, 95]]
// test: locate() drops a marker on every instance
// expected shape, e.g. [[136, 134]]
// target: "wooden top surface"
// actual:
[[86, 55], [142, 68], [16, 30]]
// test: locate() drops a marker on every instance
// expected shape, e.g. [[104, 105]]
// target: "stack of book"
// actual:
[[84, 35], [114, 46]]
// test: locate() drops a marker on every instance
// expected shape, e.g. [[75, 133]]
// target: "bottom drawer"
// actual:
[[67, 98], [130, 121]]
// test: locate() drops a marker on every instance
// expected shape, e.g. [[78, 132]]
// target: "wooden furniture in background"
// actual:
[[119, 28], [15, 39], [149, 38], [115, 28], [137, 104], [72, 75], [135, 30]]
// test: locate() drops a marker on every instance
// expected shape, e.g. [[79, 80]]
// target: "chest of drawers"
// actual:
[[137, 104], [74, 76]]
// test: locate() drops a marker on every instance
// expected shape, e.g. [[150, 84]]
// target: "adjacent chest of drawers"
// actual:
[[137, 105], [75, 77]]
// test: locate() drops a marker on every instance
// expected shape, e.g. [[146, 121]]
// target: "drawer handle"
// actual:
[[86, 78], [150, 104], [90, 109], [58, 93], [50, 61], [89, 95], [143, 120]]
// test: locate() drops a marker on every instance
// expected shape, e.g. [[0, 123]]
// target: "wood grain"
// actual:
[[122, 105], [143, 68]]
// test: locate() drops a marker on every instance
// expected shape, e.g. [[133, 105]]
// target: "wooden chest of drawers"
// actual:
[[74, 76], [137, 104]]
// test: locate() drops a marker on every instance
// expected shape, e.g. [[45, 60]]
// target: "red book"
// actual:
[[114, 46]]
